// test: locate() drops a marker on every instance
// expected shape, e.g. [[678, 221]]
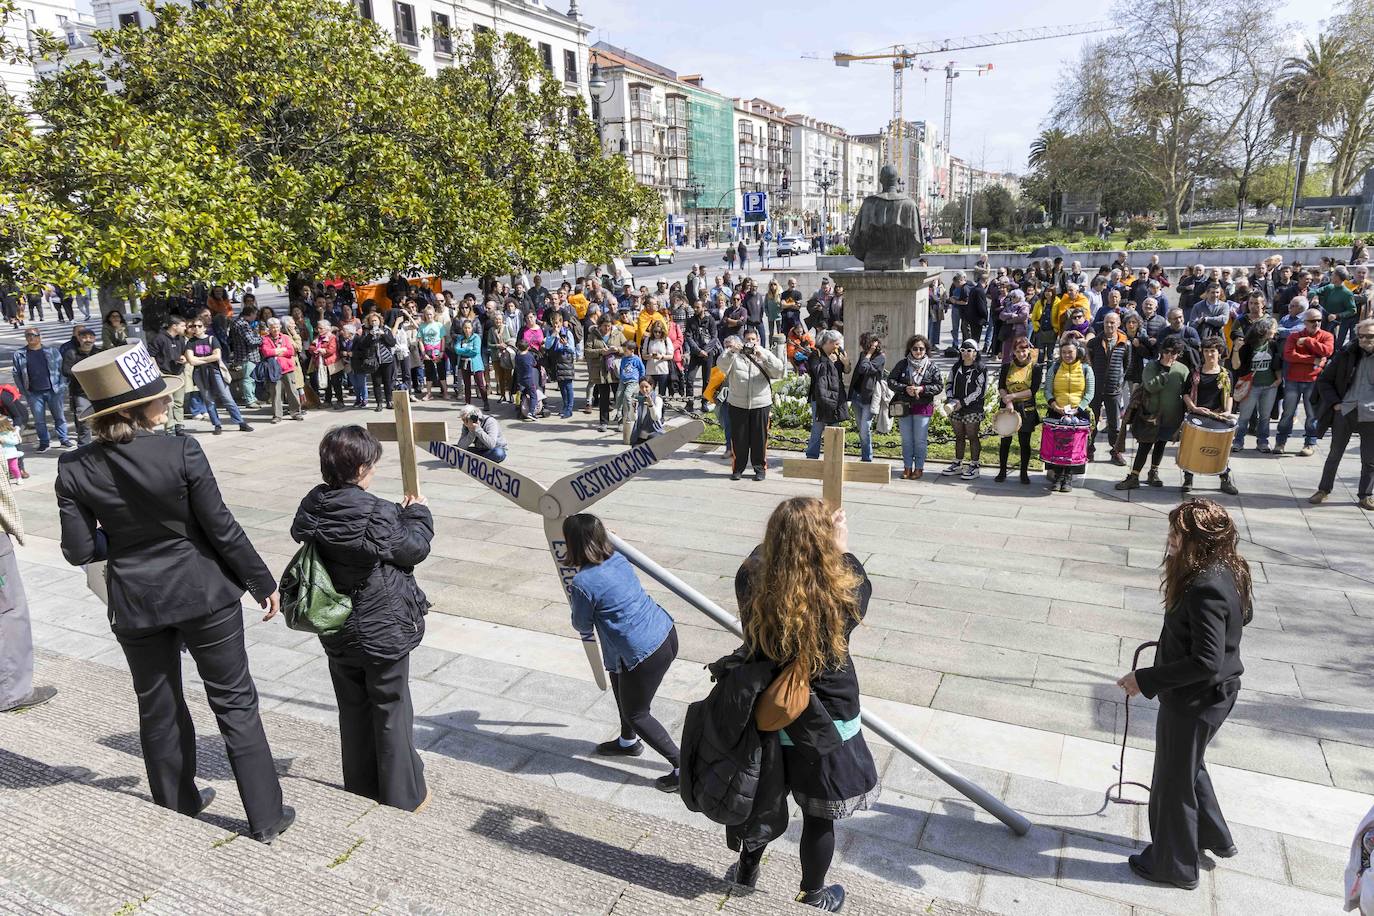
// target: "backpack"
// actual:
[[309, 602]]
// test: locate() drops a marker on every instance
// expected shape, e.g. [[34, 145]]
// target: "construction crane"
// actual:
[[905, 56], [951, 74]]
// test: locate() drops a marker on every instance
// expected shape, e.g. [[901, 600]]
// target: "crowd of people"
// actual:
[[1122, 352], [1130, 351]]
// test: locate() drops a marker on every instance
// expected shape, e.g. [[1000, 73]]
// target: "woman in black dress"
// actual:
[[801, 593], [1196, 675]]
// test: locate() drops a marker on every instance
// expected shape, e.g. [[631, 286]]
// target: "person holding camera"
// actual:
[[827, 368], [481, 434], [749, 371], [375, 354], [648, 404], [915, 381]]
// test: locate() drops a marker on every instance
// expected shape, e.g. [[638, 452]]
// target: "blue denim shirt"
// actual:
[[629, 624]]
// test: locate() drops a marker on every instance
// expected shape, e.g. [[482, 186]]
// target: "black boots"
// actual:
[[1228, 486], [745, 872]]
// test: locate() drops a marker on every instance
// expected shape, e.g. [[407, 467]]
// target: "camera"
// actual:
[[749, 348]]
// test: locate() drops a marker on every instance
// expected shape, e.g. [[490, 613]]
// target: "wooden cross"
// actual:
[[833, 470], [404, 432]]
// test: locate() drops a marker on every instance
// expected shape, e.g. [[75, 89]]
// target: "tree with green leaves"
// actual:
[[285, 137], [560, 198]]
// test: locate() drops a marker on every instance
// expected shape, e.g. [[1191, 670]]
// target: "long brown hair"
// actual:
[[802, 593], [1206, 537]]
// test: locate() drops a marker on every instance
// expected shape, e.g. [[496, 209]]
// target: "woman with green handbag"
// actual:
[[370, 548]]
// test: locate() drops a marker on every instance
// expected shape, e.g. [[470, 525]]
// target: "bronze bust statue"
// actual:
[[887, 231]]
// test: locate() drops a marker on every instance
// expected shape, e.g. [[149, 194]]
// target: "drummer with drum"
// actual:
[[1156, 411], [1210, 426], [1068, 392]]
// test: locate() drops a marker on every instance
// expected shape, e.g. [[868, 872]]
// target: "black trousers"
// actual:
[[698, 364], [166, 732], [749, 436], [1108, 405], [377, 731], [1343, 426], [634, 694], [1184, 813], [1023, 439], [602, 397], [383, 382]]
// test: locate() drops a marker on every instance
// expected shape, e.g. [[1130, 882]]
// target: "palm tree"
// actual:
[[1307, 94], [1048, 154]]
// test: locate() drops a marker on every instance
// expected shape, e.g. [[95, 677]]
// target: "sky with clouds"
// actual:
[[756, 49]]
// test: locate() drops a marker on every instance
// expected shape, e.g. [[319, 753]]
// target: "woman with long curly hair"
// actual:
[[801, 593], [1196, 675]]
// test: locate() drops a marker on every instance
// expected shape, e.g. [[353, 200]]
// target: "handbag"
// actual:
[[783, 700], [1243, 388], [309, 601]]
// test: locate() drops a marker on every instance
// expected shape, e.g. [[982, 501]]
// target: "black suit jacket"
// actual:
[[151, 507], [1197, 666]]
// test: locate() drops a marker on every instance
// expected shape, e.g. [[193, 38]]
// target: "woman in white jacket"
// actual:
[[750, 371]]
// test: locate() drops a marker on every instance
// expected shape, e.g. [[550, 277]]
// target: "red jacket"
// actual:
[[325, 350], [287, 358], [1304, 354]]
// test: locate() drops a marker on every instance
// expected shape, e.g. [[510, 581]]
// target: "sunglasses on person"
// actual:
[[1312, 321], [1366, 337]]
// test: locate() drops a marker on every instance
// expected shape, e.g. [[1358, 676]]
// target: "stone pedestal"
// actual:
[[894, 304]]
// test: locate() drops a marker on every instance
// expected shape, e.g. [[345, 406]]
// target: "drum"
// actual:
[[1006, 423], [1064, 443], [1206, 445]]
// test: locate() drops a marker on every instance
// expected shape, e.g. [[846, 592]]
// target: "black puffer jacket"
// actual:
[[370, 548], [732, 772], [827, 387]]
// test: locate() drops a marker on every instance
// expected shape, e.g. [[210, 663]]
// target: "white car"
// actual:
[[791, 244], [654, 256]]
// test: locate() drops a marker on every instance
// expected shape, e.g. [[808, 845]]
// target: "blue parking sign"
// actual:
[[755, 206]]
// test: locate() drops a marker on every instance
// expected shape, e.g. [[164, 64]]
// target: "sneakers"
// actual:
[[245, 428], [956, 467], [760, 473], [827, 899], [1278, 449], [1318, 497], [971, 471], [43, 448], [1131, 482], [1366, 503], [1306, 451], [668, 783], [614, 748]]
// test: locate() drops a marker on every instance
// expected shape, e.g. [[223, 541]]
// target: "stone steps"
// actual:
[[82, 836]]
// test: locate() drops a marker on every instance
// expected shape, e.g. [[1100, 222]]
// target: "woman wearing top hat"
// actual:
[[178, 565]]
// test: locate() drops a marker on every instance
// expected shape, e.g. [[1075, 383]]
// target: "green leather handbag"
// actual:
[[309, 601]]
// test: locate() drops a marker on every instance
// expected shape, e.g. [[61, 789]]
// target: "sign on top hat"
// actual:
[[122, 377]]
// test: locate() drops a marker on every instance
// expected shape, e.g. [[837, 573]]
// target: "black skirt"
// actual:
[[835, 785]]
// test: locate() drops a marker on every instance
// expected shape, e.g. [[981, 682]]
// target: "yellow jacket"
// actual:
[[1062, 306], [579, 305], [646, 321]]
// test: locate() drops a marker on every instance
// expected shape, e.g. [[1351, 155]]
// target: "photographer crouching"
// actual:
[[481, 434]]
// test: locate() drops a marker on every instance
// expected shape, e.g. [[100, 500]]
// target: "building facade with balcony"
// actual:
[[429, 29], [764, 156], [21, 30], [677, 136], [923, 164], [817, 172]]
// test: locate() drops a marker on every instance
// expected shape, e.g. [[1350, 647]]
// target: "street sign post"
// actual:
[[756, 207]]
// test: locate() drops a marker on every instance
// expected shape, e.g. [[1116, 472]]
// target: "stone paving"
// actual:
[[1002, 615]]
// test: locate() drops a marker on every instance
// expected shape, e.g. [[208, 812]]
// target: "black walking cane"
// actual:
[[1121, 779]]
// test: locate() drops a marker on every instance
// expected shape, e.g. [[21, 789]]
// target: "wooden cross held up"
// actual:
[[569, 495], [406, 433], [833, 470]]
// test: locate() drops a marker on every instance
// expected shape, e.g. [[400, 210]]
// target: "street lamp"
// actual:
[[596, 82], [694, 187], [825, 180]]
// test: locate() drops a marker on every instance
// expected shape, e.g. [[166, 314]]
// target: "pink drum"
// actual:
[[1064, 444]]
